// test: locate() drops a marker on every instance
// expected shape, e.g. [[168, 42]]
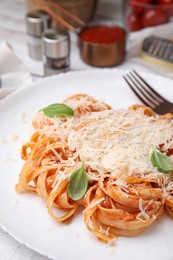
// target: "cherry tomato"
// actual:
[[154, 17], [168, 6], [138, 6], [165, 2], [134, 22]]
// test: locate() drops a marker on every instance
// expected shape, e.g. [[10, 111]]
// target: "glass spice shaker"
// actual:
[[56, 51], [36, 23]]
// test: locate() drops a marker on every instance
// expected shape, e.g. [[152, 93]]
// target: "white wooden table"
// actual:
[[12, 30]]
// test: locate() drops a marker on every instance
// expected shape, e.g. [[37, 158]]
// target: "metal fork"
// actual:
[[147, 94]]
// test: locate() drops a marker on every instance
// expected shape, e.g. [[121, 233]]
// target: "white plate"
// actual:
[[25, 216]]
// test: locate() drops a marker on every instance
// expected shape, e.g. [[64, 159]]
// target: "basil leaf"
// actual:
[[161, 161], [57, 110], [78, 183]]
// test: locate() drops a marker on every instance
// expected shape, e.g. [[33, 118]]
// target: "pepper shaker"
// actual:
[[56, 51], [36, 23]]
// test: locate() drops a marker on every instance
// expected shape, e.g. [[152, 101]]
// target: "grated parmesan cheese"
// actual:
[[119, 140], [56, 153], [143, 210], [113, 141]]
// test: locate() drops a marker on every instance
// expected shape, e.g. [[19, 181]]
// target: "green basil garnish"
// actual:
[[56, 110], [78, 183], [161, 161]]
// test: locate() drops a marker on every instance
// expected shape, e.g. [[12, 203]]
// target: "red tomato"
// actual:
[[168, 6], [134, 22], [154, 17], [138, 6], [165, 2]]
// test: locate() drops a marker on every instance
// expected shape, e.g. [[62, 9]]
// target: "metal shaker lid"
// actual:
[[37, 22], [56, 43]]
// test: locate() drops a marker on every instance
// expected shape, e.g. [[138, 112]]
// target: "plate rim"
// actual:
[[71, 73]]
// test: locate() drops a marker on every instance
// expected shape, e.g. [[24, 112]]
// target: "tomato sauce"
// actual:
[[102, 34]]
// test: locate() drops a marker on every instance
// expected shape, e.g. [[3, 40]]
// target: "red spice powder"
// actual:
[[102, 34]]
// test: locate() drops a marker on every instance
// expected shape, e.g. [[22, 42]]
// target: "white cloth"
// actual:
[[13, 74]]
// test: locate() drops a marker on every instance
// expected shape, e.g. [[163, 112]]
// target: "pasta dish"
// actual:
[[116, 164]]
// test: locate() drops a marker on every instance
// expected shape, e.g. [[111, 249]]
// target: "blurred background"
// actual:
[[11, 9], [13, 25]]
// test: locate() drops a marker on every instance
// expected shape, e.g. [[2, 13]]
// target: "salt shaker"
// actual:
[[56, 51], [36, 23]]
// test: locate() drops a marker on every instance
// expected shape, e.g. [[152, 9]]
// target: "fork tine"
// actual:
[[138, 94], [149, 89], [142, 89]]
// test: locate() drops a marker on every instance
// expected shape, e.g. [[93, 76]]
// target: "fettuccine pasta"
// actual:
[[126, 194]]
